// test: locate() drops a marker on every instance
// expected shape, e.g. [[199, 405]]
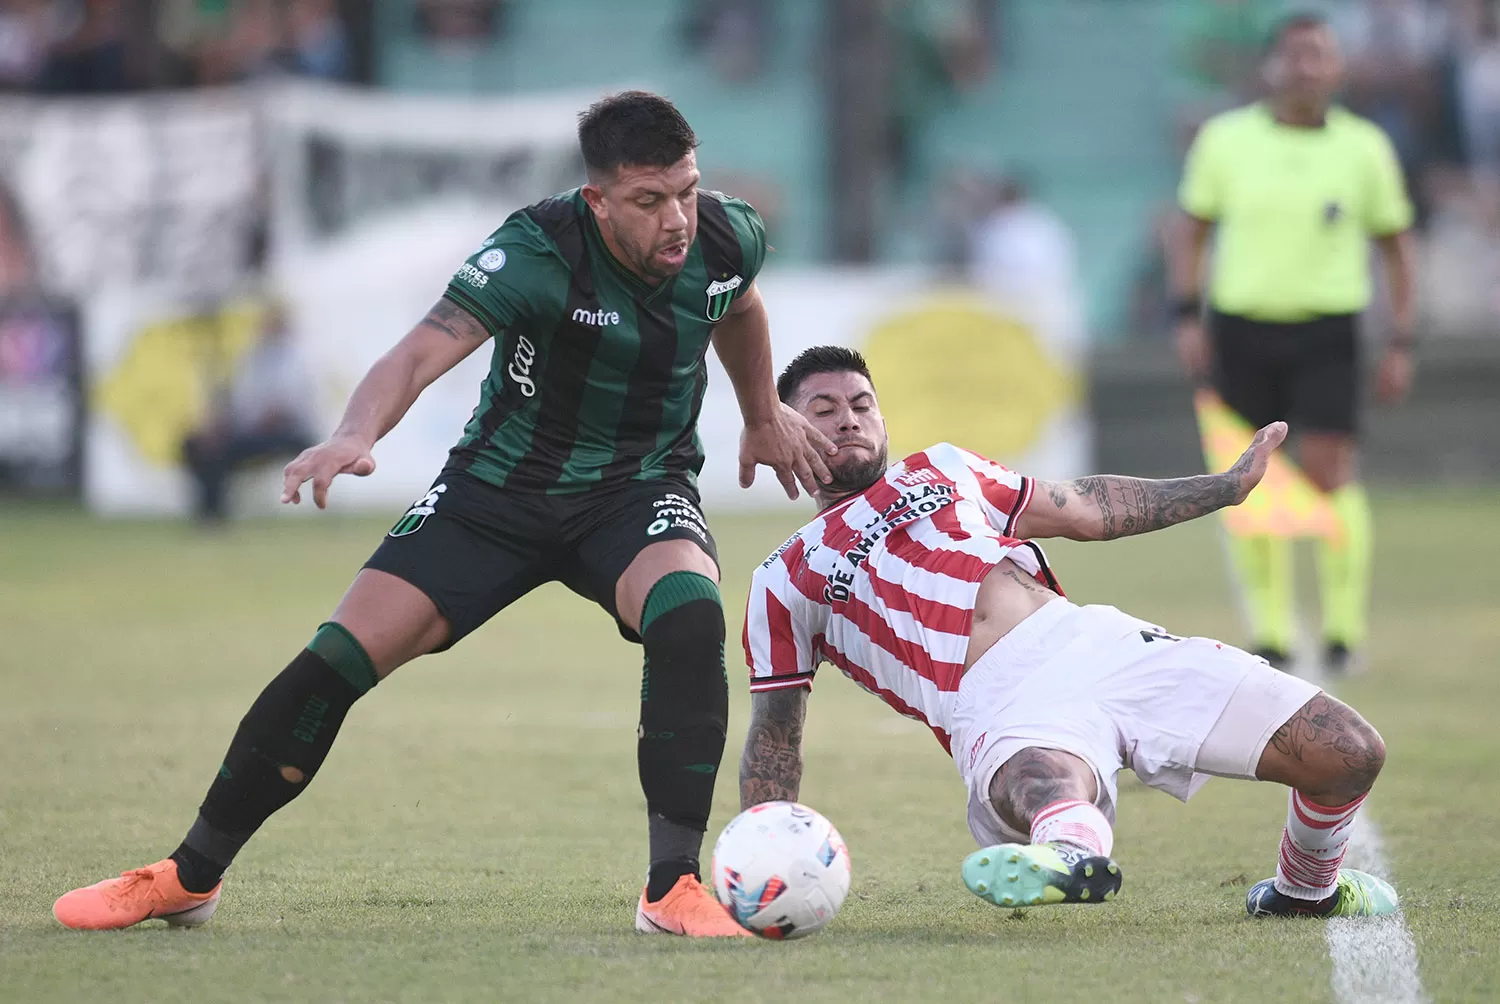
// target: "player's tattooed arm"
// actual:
[[771, 766], [1106, 506], [455, 322]]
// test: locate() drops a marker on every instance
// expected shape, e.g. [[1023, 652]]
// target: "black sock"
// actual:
[[684, 716], [277, 749], [664, 875], [197, 872]]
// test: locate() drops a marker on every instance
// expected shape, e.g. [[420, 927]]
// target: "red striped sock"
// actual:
[[1312, 847], [1075, 822]]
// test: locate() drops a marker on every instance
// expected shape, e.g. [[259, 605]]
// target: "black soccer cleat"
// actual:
[[1358, 894]]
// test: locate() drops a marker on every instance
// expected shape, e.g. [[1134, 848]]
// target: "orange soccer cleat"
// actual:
[[689, 909], [136, 895]]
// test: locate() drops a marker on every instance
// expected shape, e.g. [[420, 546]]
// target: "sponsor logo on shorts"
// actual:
[[492, 260], [675, 512], [974, 749], [720, 295], [520, 365], [418, 513], [471, 275]]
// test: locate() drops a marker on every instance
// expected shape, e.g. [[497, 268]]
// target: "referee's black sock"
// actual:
[[684, 715], [279, 746]]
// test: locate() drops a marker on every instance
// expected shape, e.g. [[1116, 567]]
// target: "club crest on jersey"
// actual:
[[418, 513], [720, 295]]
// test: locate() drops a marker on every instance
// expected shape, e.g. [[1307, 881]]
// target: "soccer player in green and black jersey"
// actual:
[[579, 465]]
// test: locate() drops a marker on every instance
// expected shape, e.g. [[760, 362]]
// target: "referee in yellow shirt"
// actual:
[[1292, 190]]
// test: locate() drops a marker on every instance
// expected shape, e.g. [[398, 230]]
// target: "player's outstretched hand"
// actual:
[[789, 445], [1251, 466], [321, 464]]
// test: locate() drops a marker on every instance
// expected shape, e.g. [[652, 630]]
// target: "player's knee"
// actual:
[[1035, 778], [1364, 755]]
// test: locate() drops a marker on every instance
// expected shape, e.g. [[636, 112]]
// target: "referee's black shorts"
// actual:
[[1305, 374]]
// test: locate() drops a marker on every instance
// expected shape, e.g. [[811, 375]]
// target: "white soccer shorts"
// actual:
[[1117, 692]]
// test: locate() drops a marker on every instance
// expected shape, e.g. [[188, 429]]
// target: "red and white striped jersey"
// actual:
[[883, 584]]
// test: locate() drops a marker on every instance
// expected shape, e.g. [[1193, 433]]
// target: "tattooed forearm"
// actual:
[[455, 322], [1106, 506], [771, 766], [1135, 505]]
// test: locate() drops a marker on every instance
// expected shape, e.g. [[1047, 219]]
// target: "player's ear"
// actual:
[[593, 194]]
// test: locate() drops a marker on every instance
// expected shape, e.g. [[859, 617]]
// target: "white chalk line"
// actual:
[[1374, 958]]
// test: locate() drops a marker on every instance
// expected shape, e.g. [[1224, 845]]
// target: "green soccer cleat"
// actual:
[[1037, 875], [1359, 894]]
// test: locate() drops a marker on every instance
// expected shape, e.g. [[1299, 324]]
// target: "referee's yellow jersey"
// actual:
[[1295, 208]]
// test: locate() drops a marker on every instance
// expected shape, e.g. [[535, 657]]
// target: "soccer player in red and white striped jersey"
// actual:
[[921, 582]]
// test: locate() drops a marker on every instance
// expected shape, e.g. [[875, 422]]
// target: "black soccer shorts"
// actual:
[[474, 549], [1305, 374]]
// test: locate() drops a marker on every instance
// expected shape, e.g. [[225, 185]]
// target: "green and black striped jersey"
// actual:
[[596, 377]]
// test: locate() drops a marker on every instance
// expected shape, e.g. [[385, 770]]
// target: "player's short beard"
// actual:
[[855, 476]]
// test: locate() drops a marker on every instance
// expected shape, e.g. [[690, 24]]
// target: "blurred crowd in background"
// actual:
[[910, 86], [111, 46], [1025, 149]]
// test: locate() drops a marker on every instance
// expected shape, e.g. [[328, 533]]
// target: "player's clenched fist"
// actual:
[[321, 464]]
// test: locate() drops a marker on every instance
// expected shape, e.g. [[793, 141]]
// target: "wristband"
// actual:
[[1186, 308]]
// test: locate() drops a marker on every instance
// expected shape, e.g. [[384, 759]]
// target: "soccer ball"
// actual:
[[781, 869]]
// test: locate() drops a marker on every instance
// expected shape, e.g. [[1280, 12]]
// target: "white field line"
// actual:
[[1374, 958]]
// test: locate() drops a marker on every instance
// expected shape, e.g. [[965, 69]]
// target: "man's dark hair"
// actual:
[[1296, 21], [819, 359], [633, 129]]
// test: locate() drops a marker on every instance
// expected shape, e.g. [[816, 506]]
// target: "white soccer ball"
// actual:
[[781, 869]]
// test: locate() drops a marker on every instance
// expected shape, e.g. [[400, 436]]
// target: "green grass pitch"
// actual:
[[478, 831]]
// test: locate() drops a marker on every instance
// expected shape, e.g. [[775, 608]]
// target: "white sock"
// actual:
[[1312, 847], [1075, 822]]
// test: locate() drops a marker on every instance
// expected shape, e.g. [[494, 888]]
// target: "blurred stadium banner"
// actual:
[[949, 365], [41, 398], [372, 200]]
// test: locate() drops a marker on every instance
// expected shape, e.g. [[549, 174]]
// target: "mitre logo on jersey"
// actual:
[[720, 295], [596, 318], [418, 513]]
